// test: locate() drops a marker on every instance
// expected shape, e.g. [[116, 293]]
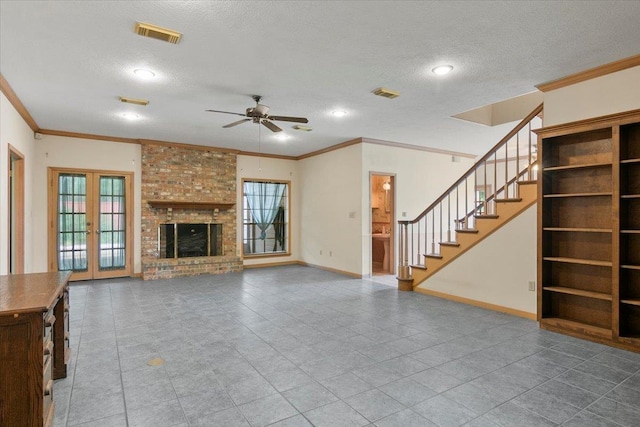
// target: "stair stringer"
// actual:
[[506, 211]]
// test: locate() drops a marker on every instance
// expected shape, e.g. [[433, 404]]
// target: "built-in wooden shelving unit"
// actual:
[[589, 229]]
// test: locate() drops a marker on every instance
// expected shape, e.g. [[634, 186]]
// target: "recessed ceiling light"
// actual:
[[442, 69], [144, 74], [281, 136], [130, 116], [339, 113]]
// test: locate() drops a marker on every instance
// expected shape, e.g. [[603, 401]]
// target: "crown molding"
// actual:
[[17, 104], [602, 70]]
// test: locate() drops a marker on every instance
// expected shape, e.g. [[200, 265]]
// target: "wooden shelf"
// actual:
[[630, 231], [577, 195], [630, 267], [578, 327], [580, 230], [630, 196], [631, 301], [577, 166], [182, 204], [579, 261], [629, 161], [578, 292]]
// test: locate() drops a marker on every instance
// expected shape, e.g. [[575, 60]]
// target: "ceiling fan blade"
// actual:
[[236, 123], [271, 126], [226, 112], [289, 119]]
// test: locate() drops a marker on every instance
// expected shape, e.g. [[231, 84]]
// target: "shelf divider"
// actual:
[[578, 292], [580, 261]]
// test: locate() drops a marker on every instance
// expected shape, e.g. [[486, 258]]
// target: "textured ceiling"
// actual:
[[69, 61]]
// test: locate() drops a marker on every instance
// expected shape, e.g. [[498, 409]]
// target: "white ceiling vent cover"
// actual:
[[158, 33]]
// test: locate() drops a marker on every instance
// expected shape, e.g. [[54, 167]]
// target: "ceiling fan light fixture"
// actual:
[[339, 113], [441, 70], [144, 74]]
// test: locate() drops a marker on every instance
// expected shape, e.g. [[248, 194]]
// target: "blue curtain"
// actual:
[[264, 199]]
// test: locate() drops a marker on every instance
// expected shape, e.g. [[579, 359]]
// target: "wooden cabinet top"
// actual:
[[23, 293]]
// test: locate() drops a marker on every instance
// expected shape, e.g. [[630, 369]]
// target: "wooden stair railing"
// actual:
[[494, 178]]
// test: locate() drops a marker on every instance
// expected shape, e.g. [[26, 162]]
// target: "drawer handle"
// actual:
[[48, 348], [49, 320], [49, 388]]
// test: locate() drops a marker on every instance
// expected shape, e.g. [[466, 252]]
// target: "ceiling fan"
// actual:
[[260, 114]]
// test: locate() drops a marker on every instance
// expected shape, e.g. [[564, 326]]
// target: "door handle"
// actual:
[[88, 231]]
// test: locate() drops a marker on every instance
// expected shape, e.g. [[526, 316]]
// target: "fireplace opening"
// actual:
[[189, 240]]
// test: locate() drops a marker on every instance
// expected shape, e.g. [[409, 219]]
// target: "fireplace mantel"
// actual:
[[183, 204]]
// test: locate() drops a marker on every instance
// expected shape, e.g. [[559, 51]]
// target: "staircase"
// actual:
[[496, 189]]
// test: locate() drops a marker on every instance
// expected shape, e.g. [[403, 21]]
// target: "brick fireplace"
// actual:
[[187, 186]]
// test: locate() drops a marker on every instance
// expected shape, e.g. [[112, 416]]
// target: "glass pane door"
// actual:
[[112, 228], [92, 228], [72, 223]]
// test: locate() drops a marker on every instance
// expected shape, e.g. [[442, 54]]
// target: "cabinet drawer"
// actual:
[[47, 391]]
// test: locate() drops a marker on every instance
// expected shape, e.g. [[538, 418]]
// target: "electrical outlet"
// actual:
[[532, 285]]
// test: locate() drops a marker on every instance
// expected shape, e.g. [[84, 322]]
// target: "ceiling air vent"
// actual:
[[133, 101], [386, 93], [159, 33]]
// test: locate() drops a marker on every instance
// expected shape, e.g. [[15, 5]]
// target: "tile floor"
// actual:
[[297, 346]]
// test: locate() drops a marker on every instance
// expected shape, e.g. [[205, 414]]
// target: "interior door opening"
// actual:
[[16, 212], [382, 192]]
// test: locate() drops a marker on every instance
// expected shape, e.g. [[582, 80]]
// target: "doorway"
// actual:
[[90, 223], [16, 212], [382, 190]]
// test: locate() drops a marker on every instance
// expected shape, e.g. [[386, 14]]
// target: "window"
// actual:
[[265, 217]]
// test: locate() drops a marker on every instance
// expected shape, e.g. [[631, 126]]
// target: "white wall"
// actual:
[[15, 131], [331, 192], [65, 152], [610, 94], [252, 167], [498, 269], [421, 176]]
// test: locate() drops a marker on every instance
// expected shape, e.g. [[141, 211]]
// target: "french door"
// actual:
[[90, 226]]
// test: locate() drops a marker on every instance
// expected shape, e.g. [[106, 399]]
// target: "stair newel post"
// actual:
[[414, 236], [405, 281]]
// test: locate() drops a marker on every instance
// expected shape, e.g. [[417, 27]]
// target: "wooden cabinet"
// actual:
[[589, 229], [34, 345]]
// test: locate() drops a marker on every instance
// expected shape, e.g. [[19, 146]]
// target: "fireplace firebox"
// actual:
[[189, 240]]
